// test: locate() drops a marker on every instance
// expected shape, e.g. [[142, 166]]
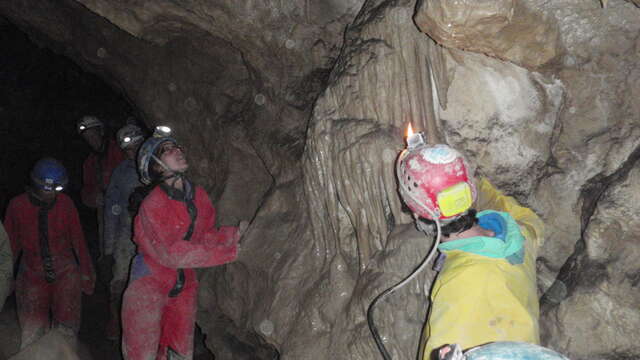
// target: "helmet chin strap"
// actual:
[[176, 175]]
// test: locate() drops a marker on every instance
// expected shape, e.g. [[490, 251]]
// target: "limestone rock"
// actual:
[[247, 182], [597, 129], [496, 108], [506, 29], [55, 345], [599, 317], [356, 215]]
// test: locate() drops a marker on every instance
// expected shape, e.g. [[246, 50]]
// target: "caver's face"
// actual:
[[132, 150], [45, 195], [93, 137], [173, 156]]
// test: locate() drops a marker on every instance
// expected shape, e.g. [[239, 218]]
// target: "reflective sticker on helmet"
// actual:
[[455, 200], [439, 154]]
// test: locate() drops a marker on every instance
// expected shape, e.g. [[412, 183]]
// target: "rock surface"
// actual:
[[55, 345], [294, 114], [600, 315], [507, 29]]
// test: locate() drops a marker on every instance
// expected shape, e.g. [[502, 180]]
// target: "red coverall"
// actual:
[[71, 265], [92, 183], [96, 173], [153, 321]]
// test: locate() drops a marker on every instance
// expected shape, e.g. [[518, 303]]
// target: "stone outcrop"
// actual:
[[507, 29], [598, 316], [55, 345]]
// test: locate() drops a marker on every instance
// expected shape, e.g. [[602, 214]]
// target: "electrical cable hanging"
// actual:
[[391, 290]]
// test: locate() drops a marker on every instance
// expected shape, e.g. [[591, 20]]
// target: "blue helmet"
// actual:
[[145, 154], [49, 174]]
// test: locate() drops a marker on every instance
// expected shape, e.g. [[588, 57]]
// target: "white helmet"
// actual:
[[88, 122], [129, 135]]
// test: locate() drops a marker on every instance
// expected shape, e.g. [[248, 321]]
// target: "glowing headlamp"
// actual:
[[414, 140], [162, 131], [59, 188], [127, 139], [82, 127]]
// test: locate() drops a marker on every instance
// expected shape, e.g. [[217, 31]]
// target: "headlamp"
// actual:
[[127, 139], [162, 131], [415, 140], [82, 127], [59, 188]]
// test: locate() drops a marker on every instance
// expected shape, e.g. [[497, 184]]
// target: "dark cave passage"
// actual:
[[42, 96]]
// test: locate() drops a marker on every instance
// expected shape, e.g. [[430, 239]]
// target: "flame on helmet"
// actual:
[[409, 130]]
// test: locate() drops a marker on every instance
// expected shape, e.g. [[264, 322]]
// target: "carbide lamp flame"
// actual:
[[414, 139], [162, 131]]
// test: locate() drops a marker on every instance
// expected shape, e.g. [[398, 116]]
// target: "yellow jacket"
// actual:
[[478, 299]]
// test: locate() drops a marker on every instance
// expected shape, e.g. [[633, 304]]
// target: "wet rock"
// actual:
[[507, 29], [597, 129], [354, 138], [55, 345], [600, 316], [247, 182], [9, 332], [496, 108]]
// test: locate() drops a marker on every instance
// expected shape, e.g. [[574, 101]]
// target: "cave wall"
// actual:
[[294, 114]]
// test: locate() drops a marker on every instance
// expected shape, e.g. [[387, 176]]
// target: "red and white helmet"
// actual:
[[435, 182]]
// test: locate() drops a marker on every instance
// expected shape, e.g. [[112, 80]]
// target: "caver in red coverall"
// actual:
[[55, 266], [158, 316], [95, 164], [96, 173]]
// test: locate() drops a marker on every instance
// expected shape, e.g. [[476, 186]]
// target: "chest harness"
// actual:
[[43, 236], [187, 197]]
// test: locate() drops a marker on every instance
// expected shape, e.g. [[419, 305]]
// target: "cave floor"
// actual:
[[93, 345]]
